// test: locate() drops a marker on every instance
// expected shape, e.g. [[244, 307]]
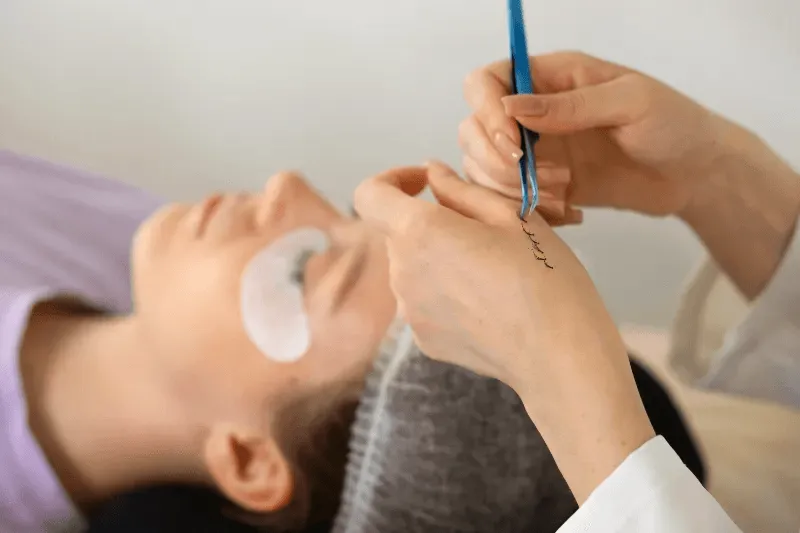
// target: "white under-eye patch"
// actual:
[[272, 301]]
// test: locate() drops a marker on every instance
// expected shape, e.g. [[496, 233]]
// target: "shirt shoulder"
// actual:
[[62, 232], [32, 499], [69, 230]]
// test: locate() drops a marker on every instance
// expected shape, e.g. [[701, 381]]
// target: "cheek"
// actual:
[[343, 346], [361, 323]]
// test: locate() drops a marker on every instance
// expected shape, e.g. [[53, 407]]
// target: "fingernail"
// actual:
[[575, 216], [526, 105], [507, 146]]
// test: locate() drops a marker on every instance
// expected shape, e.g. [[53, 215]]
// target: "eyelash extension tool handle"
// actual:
[[522, 83]]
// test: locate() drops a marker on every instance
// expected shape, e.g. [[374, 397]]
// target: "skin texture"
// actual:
[[475, 294], [193, 399], [614, 137]]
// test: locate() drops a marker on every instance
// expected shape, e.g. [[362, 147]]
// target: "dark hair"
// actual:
[[313, 431]]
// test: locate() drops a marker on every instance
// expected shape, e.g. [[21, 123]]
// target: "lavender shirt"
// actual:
[[61, 232]]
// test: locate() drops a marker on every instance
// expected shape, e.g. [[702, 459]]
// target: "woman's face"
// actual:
[[188, 267]]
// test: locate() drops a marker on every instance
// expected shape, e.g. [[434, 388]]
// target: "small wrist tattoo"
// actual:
[[537, 251]]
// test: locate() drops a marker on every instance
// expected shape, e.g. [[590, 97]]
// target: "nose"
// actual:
[[288, 197]]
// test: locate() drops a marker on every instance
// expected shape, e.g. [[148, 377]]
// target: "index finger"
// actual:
[[485, 88], [387, 201], [560, 71]]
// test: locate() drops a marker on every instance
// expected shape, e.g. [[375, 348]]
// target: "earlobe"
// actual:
[[249, 468]]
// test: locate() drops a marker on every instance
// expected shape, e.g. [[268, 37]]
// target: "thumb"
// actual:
[[614, 103], [387, 202]]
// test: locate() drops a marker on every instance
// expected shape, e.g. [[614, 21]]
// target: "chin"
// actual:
[[142, 246]]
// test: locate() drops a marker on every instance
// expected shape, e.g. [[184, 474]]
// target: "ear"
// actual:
[[249, 468]]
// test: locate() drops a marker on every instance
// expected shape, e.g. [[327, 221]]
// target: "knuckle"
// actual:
[[582, 59], [464, 132], [362, 193], [574, 56], [408, 226], [473, 81], [578, 103], [571, 107], [584, 74], [415, 225], [468, 164], [644, 95]]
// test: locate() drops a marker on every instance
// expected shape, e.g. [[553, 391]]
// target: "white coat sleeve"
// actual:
[[652, 491], [761, 356]]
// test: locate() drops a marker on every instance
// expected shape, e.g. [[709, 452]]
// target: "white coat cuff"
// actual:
[[652, 491], [760, 356]]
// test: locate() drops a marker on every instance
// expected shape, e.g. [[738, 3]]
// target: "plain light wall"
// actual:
[[188, 96]]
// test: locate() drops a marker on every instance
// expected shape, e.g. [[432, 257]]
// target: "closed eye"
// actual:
[[298, 275]]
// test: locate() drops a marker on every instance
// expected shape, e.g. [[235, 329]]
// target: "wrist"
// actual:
[[592, 421], [591, 440], [744, 208], [739, 168]]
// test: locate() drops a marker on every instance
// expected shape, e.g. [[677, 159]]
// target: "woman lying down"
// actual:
[[223, 347]]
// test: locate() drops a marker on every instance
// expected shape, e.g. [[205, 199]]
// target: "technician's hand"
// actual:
[[478, 290], [611, 136]]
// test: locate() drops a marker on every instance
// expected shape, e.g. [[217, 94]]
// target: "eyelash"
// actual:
[[298, 275]]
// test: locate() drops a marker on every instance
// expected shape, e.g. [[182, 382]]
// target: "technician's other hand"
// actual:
[[482, 293], [610, 136], [514, 303]]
